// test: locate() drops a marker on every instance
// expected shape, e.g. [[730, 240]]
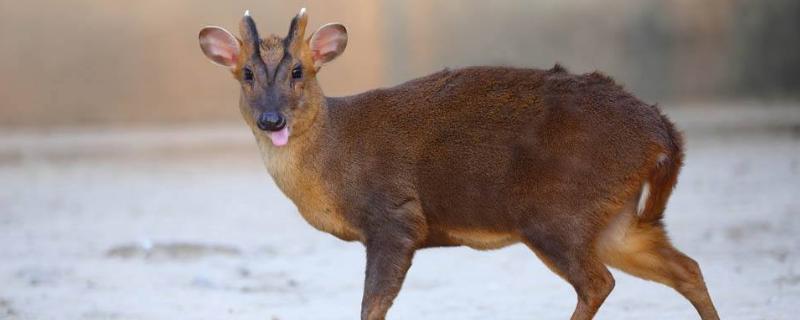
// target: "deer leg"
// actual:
[[387, 264], [391, 238], [646, 252], [688, 281], [592, 282], [577, 264]]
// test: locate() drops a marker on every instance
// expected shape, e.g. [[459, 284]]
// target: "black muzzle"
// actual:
[[271, 121]]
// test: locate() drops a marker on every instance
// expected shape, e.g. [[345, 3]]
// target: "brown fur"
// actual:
[[484, 157]]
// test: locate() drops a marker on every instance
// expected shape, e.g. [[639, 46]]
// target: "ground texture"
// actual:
[[184, 223]]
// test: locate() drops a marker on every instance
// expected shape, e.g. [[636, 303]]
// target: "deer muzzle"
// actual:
[[275, 126]]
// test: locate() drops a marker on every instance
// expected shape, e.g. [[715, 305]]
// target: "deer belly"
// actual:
[[482, 240]]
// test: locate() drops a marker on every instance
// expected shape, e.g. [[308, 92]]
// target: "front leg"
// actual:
[[392, 234], [388, 261]]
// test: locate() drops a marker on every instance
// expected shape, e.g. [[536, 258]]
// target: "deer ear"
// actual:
[[327, 43], [219, 46]]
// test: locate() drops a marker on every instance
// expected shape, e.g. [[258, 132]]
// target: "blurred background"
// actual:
[[103, 62], [131, 189]]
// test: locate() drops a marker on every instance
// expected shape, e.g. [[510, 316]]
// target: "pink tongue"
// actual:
[[281, 137]]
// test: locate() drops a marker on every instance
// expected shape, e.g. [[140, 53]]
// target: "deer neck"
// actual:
[[297, 170], [294, 163], [295, 167]]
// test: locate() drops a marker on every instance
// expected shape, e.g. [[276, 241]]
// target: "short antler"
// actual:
[[297, 30], [249, 33]]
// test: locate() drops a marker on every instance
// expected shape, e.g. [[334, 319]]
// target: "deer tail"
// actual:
[[662, 178]]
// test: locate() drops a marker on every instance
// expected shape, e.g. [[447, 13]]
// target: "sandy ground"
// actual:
[[184, 223]]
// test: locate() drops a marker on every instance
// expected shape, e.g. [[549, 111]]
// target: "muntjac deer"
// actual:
[[572, 166]]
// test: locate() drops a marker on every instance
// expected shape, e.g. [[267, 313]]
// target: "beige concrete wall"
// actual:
[[111, 62]]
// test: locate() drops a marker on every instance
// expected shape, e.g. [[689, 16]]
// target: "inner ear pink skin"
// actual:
[[328, 43], [219, 46]]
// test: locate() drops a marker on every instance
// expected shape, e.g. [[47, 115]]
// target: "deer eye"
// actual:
[[247, 74], [297, 72]]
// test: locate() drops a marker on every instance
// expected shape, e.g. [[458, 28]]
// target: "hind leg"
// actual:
[[644, 251], [575, 261]]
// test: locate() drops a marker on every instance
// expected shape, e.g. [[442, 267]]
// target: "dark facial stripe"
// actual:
[[285, 63], [286, 60]]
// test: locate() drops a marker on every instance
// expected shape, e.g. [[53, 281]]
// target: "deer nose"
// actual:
[[271, 121]]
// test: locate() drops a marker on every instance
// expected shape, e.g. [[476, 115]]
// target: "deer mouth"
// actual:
[[281, 137], [274, 124]]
